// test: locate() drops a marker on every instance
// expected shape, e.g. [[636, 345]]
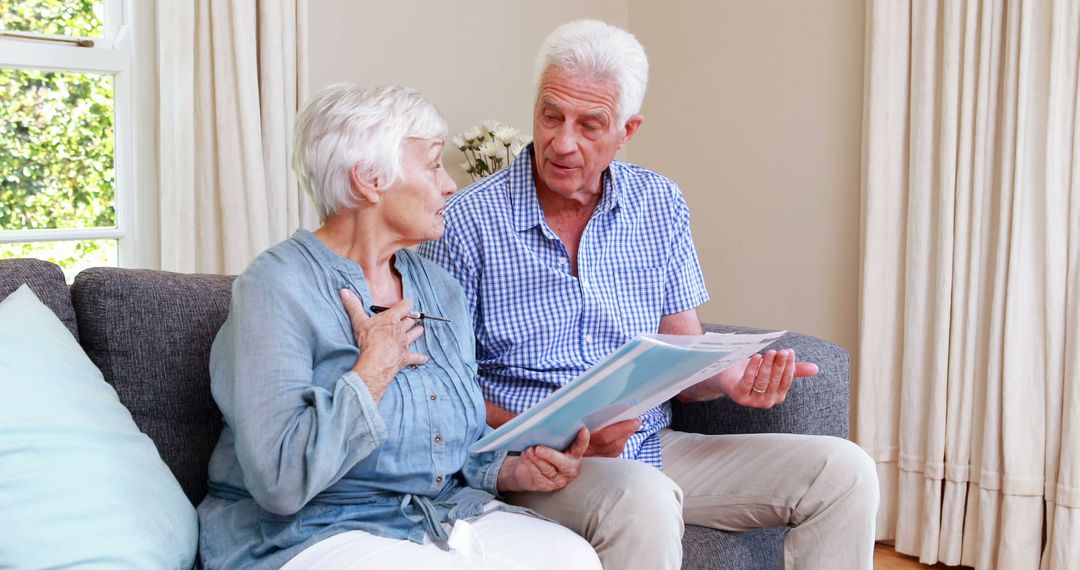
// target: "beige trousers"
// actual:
[[824, 488]]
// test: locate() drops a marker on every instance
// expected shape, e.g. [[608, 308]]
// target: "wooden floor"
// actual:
[[885, 558]]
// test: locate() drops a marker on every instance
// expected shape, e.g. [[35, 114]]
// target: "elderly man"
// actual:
[[567, 254]]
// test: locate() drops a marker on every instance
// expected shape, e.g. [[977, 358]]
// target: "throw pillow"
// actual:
[[80, 485]]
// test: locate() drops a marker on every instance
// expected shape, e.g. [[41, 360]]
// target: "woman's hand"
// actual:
[[543, 469], [384, 341]]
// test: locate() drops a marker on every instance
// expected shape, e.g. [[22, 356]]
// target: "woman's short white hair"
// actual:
[[344, 126], [602, 51]]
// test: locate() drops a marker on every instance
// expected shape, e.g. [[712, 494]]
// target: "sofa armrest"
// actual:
[[817, 405]]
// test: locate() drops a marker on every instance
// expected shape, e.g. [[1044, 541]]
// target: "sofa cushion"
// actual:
[[79, 485], [817, 405], [708, 549], [45, 280], [150, 334]]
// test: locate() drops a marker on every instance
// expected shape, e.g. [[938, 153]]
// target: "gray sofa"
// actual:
[[150, 333]]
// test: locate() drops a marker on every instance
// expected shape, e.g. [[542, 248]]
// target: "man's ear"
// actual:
[[631, 128], [364, 187]]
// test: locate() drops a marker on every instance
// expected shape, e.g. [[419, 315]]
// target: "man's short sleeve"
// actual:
[[684, 286]]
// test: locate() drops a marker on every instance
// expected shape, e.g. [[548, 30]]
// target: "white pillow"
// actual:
[[79, 484]]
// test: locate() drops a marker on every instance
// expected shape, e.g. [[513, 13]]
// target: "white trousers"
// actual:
[[497, 540], [824, 488]]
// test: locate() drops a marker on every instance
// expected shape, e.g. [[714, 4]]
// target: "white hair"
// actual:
[[344, 126], [602, 51]]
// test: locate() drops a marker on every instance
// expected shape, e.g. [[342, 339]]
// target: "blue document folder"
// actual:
[[644, 372]]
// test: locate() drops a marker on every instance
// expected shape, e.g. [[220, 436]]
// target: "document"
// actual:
[[644, 372]]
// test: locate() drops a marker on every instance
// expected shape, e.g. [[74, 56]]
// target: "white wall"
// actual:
[[754, 107], [473, 58]]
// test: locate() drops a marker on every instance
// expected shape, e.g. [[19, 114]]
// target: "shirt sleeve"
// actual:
[[293, 437], [481, 470], [684, 286]]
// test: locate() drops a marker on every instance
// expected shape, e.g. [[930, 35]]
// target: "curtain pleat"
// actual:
[[237, 195], [1062, 484], [882, 251], [176, 149], [967, 394]]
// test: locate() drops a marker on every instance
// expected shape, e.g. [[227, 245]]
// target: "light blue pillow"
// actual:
[[80, 485]]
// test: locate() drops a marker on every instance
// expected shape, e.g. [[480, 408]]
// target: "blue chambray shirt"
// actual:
[[537, 325], [306, 452]]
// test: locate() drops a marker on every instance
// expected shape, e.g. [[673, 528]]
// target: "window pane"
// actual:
[[56, 150], [71, 256], [59, 17]]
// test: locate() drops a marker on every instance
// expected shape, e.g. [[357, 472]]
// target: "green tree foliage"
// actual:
[[56, 138], [59, 17], [56, 155]]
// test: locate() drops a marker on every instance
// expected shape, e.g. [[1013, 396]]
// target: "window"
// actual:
[[67, 153]]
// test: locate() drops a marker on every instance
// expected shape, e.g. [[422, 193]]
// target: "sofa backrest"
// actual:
[[46, 280], [149, 332]]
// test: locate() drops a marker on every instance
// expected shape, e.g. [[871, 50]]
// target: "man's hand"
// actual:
[[761, 381], [497, 416], [383, 341], [543, 469], [610, 441]]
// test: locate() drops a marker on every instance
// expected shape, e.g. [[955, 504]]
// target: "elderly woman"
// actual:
[[346, 426]]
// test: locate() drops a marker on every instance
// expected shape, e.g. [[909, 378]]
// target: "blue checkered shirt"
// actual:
[[537, 325]]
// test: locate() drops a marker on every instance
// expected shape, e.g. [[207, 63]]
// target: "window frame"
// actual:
[[116, 53]]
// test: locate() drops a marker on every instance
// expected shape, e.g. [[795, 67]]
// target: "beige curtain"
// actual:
[[968, 392], [230, 80]]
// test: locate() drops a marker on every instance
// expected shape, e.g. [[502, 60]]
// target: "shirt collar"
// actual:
[[609, 200], [526, 207], [327, 256], [523, 201], [317, 249]]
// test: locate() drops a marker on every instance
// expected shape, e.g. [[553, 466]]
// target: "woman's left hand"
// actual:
[[543, 469]]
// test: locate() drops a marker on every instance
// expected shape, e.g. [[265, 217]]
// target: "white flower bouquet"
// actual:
[[488, 148]]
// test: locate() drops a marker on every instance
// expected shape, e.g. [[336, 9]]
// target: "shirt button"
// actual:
[[438, 438], [438, 479], [588, 339], [433, 397]]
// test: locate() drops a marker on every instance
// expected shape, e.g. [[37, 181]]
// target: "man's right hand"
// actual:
[[610, 441], [497, 416]]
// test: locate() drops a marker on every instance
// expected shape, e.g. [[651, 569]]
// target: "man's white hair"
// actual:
[[601, 51], [344, 126]]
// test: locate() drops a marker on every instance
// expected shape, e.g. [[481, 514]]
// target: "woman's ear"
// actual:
[[364, 187]]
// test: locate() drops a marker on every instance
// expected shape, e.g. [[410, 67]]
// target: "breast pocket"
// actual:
[[641, 298]]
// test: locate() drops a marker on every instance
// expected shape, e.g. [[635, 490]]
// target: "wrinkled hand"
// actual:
[[543, 469], [762, 381], [610, 441], [384, 341]]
